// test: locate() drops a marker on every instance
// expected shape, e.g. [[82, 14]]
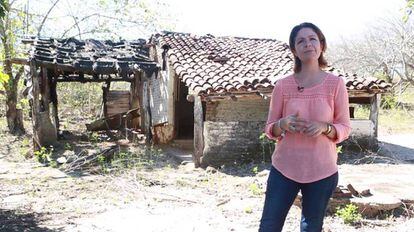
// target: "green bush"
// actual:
[[267, 145], [44, 155], [389, 101], [349, 214]]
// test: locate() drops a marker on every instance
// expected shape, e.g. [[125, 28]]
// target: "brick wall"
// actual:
[[232, 130]]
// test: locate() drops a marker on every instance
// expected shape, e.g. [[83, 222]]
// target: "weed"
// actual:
[[68, 146], [255, 170], [255, 189], [24, 149], [339, 149], [44, 155], [248, 210], [349, 214], [93, 137], [267, 146]]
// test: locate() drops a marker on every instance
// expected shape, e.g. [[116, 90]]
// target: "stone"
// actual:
[[373, 205], [210, 169], [61, 160], [263, 173]]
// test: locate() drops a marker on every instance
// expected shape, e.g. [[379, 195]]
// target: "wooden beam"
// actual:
[[54, 100], [21, 61], [85, 80], [359, 93], [198, 131], [374, 112], [45, 90], [148, 116], [360, 100], [36, 106]]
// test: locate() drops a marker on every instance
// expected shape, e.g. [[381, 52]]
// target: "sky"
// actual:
[[274, 18]]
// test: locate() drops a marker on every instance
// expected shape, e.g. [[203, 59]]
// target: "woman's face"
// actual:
[[307, 45]]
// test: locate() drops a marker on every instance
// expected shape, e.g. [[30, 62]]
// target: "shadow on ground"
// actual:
[[397, 152], [11, 220]]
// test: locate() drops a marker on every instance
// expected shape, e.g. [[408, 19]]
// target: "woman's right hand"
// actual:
[[293, 123]]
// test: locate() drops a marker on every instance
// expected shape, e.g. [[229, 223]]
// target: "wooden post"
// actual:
[[136, 91], [105, 90], [198, 131], [54, 99], [45, 90], [147, 107], [36, 105], [374, 112]]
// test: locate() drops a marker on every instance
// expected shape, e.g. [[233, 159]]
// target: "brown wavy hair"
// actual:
[[321, 60]]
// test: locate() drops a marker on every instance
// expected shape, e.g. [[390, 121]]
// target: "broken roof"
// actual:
[[214, 65], [98, 59]]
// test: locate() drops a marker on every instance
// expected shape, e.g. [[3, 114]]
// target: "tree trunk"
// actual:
[[14, 116]]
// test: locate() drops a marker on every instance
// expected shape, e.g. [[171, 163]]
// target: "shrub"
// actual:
[[349, 214]]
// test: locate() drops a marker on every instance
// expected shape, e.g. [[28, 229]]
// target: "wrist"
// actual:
[[328, 129], [283, 131], [279, 124]]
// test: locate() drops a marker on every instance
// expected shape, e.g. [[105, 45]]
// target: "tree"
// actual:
[[2, 8], [9, 79], [386, 50]]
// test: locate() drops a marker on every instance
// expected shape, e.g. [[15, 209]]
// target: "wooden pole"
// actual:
[[147, 108], [36, 106], [45, 90], [54, 99], [198, 131], [135, 99], [374, 112]]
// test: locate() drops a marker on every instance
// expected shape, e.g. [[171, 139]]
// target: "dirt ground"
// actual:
[[158, 194]]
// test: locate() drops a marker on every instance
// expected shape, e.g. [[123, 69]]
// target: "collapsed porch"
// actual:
[[54, 61]]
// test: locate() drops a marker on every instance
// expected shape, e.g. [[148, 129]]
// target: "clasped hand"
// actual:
[[294, 124]]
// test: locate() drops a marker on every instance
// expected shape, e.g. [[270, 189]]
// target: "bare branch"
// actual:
[[45, 17]]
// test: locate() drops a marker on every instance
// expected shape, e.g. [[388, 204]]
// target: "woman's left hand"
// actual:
[[313, 129]]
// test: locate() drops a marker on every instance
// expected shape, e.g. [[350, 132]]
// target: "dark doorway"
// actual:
[[184, 113]]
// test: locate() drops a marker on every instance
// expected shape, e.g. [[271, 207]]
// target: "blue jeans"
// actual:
[[281, 193]]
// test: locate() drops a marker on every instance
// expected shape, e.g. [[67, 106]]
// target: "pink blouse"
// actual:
[[299, 157]]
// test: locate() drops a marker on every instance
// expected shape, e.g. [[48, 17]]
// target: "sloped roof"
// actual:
[[210, 65], [92, 57]]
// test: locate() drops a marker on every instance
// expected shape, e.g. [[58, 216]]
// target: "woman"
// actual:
[[308, 115]]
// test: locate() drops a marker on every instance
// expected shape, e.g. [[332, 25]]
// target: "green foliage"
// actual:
[[349, 214], [84, 100], [409, 7], [68, 146], [44, 155], [144, 159], [248, 210], [255, 189], [339, 149], [389, 101], [3, 8], [4, 78], [267, 145], [24, 149], [93, 137], [255, 170]]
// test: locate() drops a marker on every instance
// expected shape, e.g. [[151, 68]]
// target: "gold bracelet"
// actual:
[[328, 130]]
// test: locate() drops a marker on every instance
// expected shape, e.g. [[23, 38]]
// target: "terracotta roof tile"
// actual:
[[219, 64]]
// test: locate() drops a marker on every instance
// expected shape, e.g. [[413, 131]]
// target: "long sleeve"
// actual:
[[341, 120], [275, 110]]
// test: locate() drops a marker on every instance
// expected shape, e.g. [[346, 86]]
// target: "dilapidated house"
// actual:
[[215, 91], [53, 61]]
